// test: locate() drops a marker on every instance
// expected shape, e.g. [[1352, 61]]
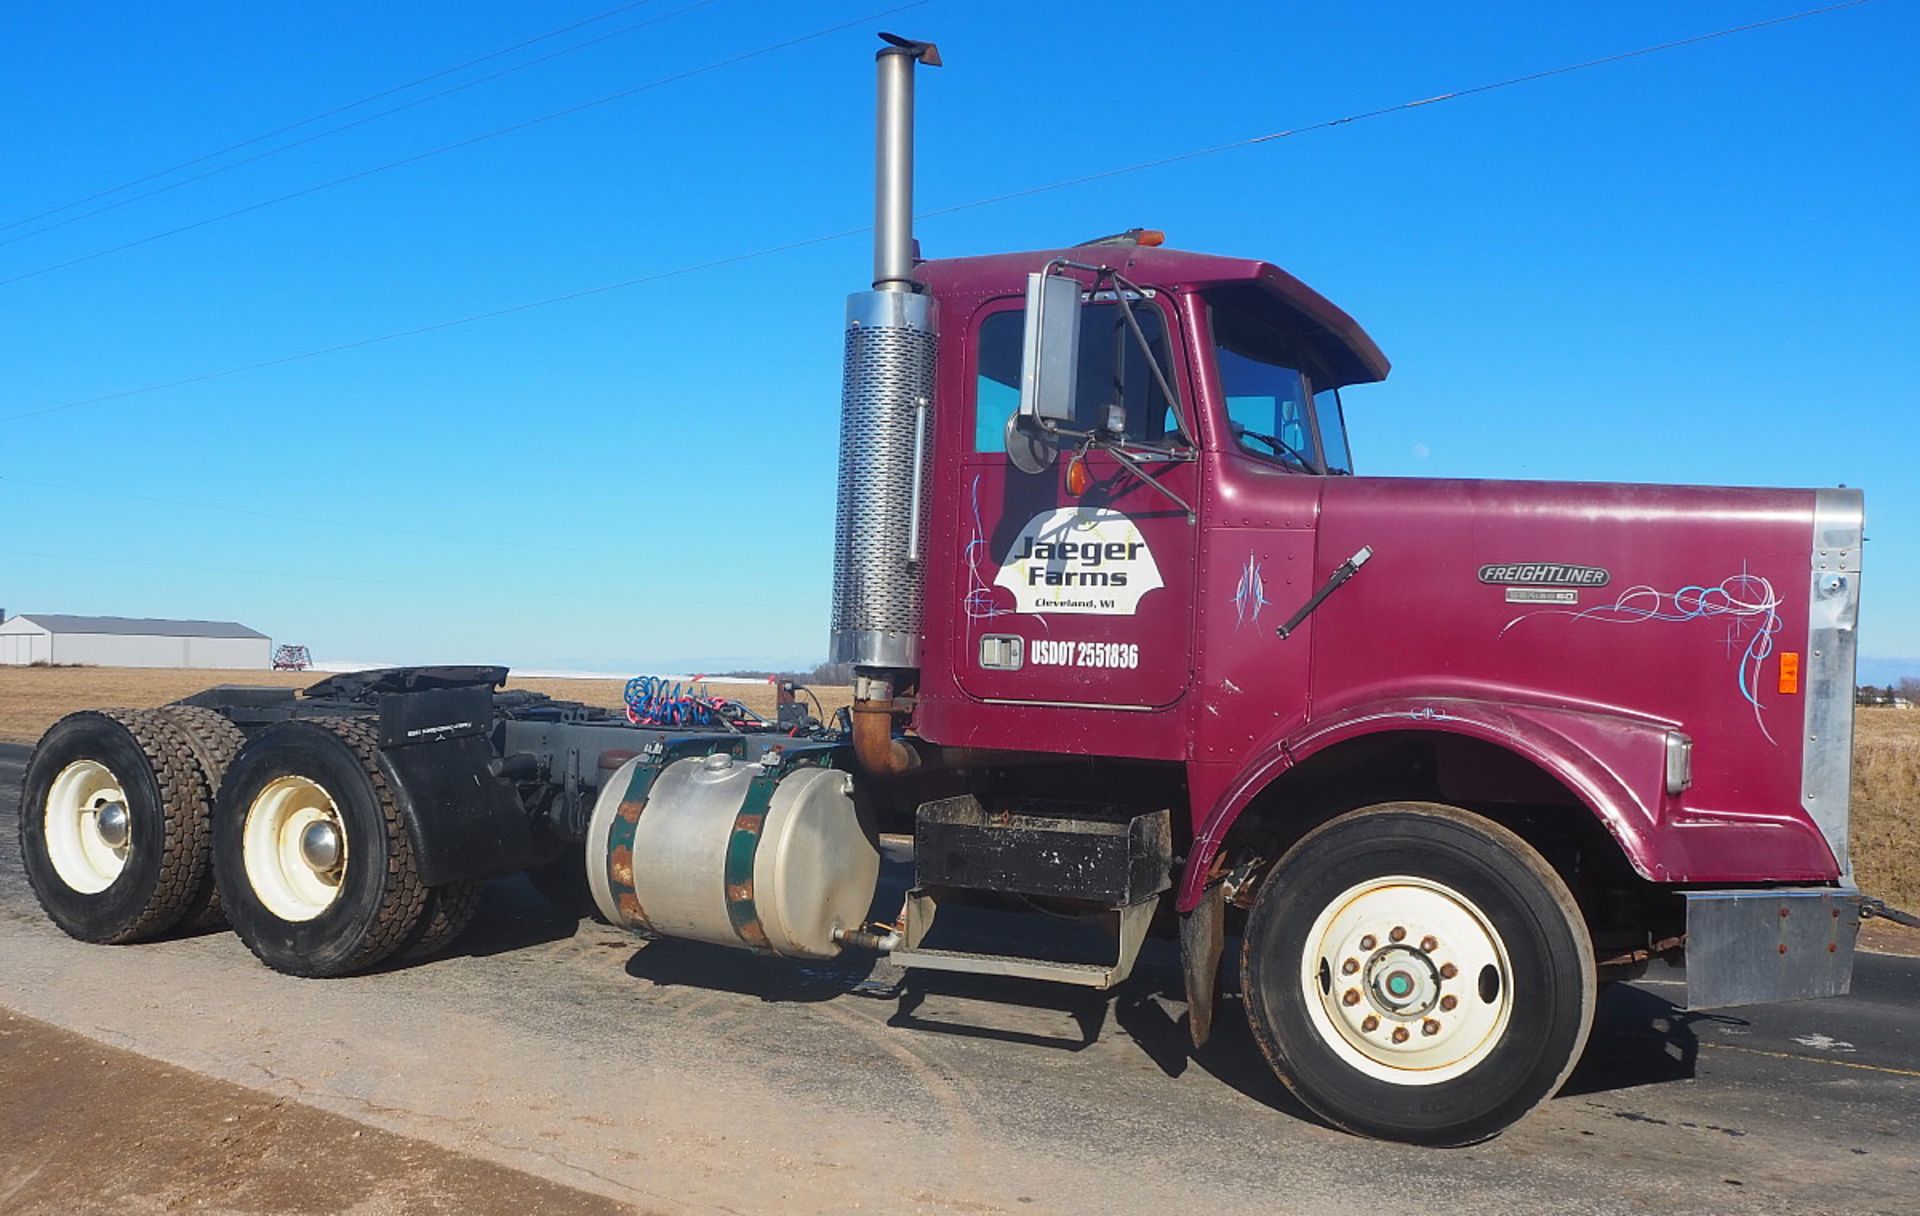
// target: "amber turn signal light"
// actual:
[[1079, 481]]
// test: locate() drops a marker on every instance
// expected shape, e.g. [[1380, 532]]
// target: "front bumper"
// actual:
[[1754, 947]]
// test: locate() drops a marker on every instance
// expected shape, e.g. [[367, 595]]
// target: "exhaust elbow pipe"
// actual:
[[878, 753]]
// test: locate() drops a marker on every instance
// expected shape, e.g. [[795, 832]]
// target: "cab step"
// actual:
[[1085, 975], [916, 917], [1100, 857]]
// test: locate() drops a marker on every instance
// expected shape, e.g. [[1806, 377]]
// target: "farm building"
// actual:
[[118, 641]]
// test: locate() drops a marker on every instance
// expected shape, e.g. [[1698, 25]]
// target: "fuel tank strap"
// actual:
[[743, 846], [626, 821]]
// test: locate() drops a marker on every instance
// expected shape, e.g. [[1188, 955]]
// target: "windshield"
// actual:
[[1271, 407]]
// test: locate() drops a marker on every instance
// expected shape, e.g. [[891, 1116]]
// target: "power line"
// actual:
[[991, 200], [358, 122], [326, 114], [1397, 108], [458, 144], [434, 327]]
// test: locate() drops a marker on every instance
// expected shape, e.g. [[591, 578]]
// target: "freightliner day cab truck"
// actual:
[[1132, 640]]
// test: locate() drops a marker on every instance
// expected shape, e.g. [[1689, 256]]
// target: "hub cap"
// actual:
[[294, 848], [88, 829], [1407, 980]]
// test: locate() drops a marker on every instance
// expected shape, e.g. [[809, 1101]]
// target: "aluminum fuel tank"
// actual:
[[722, 850]]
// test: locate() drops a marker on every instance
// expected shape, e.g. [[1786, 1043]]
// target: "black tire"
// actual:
[[166, 867], [450, 909], [380, 898], [1548, 991], [214, 742]]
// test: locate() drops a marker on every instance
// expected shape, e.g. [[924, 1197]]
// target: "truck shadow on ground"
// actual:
[[668, 961], [513, 915], [1639, 1038]]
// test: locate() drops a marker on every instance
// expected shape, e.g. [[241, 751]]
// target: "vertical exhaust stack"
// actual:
[[885, 420]]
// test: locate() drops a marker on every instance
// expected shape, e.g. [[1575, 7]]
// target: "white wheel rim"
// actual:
[[290, 886], [81, 856], [1407, 980]]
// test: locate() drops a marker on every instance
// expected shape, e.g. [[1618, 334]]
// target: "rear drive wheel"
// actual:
[[1416, 972], [214, 742], [450, 909], [113, 825], [311, 850]]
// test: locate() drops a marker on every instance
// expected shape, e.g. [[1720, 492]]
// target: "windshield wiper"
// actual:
[[1280, 447]]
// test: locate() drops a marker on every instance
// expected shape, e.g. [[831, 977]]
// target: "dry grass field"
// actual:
[[1886, 804], [1886, 786]]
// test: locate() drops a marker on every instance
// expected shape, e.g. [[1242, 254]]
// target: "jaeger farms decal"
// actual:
[[1079, 560]]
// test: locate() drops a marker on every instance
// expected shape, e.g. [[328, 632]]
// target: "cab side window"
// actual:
[[1112, 372]]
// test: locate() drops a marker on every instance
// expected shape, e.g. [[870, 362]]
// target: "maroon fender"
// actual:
[[1615, 764]]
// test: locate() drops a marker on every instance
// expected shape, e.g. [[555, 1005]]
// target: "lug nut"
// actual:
[[1429, 944], [1368, 942], [1429, 1027], [1448, 1002], [1448, 971], [1398, 934], [1351, 997], [1371, 1024], [1350, 966], [1399, 1034]]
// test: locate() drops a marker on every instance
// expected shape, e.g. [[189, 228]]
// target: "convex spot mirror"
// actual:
[[1049, 370]]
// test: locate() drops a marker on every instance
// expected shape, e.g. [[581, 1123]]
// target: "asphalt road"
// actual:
[[686, 1079]]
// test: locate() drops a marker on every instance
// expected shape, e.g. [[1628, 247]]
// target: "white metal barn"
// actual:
[[118, 641]]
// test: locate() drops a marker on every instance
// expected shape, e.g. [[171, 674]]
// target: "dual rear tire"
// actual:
[[136, 822], [311, 850], [114, 826]]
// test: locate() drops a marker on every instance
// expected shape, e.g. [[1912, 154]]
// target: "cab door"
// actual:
[[1077, 599]]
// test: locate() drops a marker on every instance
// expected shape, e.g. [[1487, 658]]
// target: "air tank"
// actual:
[[722, 850]]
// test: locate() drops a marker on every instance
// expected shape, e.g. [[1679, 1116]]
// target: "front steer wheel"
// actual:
[[311, 850], [1416, 972]]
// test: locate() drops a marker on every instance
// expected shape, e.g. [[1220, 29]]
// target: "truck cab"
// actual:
[[1151, 575]]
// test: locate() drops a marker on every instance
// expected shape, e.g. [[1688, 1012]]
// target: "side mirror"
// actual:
[[1050, 356], [1049, 369]]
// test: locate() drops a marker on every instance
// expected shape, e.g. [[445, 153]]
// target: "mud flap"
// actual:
[[465, 823], [1202, 937], [1775, 944]]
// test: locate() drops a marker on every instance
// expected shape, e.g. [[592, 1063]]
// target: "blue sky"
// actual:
[[1697, 266]]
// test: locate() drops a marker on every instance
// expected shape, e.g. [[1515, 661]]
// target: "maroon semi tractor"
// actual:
[[1132, 642]]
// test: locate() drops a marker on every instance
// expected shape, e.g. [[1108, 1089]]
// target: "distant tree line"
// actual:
[[1906, 690], [824, 675]]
